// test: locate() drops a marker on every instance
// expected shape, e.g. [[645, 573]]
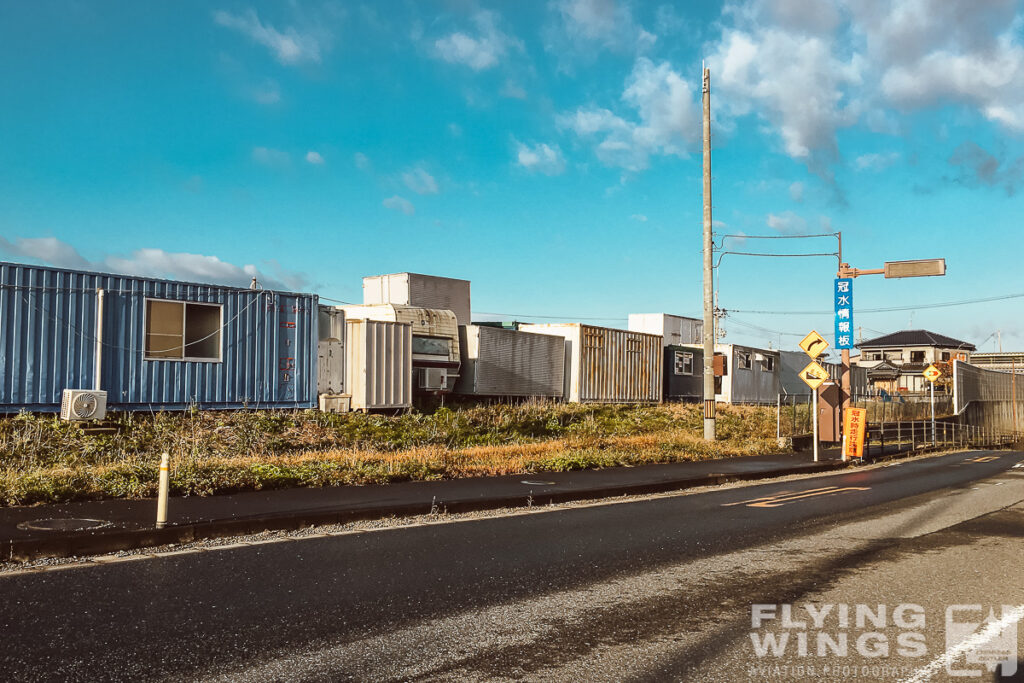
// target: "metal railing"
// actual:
[[896, 437]]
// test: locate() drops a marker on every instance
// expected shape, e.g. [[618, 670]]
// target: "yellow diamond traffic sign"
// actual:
[[931, 373], [814, 375], [814, 344]]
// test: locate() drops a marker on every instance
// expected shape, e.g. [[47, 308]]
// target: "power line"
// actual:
[[890, 309]]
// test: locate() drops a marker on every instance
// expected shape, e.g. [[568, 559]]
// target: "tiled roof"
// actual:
[[915, 338]]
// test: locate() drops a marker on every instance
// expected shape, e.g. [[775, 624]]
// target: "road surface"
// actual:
[[656, 589]]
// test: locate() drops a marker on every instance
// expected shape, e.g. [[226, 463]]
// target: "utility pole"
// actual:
[[709, 312]]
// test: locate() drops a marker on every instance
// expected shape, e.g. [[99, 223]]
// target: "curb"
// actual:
[[114, 540]]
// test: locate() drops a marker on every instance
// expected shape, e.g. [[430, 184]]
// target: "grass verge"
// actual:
[[43, 460]]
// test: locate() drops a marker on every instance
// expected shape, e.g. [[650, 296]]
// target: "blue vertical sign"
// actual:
[[844, 312]]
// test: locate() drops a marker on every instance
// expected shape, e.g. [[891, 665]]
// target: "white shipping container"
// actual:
[[500, 362], [677, 330], [378, 368], [605, 365], [435, 324], [425, 291]]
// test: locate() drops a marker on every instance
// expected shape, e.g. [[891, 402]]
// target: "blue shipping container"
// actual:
[[165, 345]]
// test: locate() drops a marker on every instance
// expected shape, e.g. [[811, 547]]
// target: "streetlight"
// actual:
[[892, 269]]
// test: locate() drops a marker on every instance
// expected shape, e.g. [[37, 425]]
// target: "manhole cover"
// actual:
[[64, 524], [538, 483]]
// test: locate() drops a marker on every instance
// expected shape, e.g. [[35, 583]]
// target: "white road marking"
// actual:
[[981, 637]]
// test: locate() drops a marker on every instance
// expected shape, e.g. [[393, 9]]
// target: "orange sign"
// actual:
[[855, 421], [932, 373]]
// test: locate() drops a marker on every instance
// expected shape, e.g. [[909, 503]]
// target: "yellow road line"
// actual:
[[784, 497]]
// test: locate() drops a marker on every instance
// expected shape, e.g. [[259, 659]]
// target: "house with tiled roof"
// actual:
[[895, 361]]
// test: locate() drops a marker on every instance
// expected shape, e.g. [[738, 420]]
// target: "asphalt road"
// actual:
[[659, 589]]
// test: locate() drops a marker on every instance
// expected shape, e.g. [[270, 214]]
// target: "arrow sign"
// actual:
[[931, 373], [814, 344]]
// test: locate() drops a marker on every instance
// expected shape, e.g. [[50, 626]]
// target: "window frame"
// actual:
[[685, 356], [768, 364], [184, 303], [744, 360]]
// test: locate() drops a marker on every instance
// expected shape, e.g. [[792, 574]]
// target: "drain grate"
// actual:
[[64, 524]]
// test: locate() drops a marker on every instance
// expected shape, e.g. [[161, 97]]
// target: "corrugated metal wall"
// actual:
[[48, 333], [617, 366], [499, 362], [379, 364]]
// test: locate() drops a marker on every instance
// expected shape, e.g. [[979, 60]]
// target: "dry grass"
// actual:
[[44, 460]]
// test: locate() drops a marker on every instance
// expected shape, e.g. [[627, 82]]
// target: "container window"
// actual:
[[183, 330], [434, 346], [743, 361], [683, 363], [593, 340], [768, 364]]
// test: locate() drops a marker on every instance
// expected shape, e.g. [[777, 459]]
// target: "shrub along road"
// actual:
[[658, 588]]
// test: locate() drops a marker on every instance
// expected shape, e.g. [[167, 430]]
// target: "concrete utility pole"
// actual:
[[709, 312]]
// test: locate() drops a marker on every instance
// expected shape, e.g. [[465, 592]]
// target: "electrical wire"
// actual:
[[891, 309]]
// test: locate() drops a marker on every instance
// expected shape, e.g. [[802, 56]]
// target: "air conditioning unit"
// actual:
[[79, 404], [335, 403], [433, 379]]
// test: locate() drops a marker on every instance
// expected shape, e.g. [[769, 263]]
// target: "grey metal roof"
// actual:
[[915, 338]]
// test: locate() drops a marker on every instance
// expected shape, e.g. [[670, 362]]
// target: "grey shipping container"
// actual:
[[751, 375], [424, 291], [606, 365], [378, 364], [158, 344], [684, 373], [500, 362]]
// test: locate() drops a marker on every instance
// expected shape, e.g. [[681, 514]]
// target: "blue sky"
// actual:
[[547, 151]]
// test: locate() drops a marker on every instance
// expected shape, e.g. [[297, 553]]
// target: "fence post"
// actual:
[[161, 504]]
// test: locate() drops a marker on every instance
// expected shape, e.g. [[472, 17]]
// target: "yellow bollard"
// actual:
[[161, 502]]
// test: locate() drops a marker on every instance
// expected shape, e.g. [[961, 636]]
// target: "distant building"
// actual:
[[1009, 361], [894, 362]]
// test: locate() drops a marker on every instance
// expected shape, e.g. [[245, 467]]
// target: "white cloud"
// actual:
[[541, 157], [361, 161], [289, 47], [513, 90], [606, 22], [669, 121], [455, 130], [314, 158], [639, 217], [397, 203], [479, 52], [270, 157], [46, 249], [786, 223], [875, 161], [796, 191], [419, 181], [793, 80], [150, 262], [268, 93]]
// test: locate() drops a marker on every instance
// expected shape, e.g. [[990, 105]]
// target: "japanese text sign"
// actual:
[[843, 291], [855, 421]]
